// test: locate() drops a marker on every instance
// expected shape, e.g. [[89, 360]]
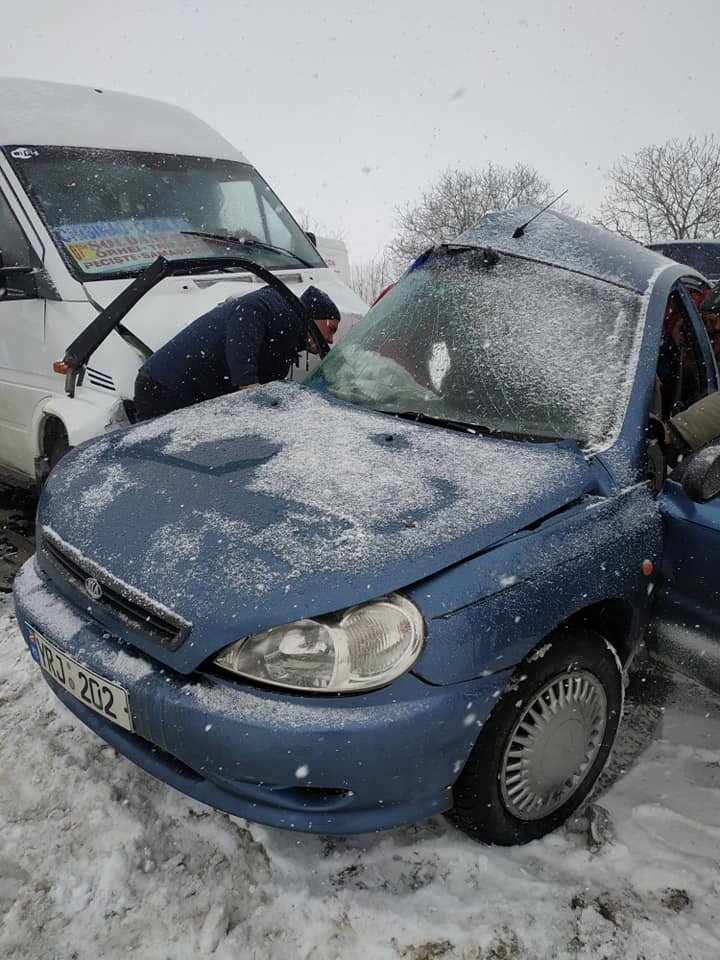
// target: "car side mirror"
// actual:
[[311, 237], [701, 473]]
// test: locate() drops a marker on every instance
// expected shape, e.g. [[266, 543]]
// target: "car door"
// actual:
[[685, 629], [22, 334]]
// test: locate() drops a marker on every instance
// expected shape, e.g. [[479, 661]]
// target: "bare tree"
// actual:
[[663, 192], [370, 278], [459, 199], [308, 223]]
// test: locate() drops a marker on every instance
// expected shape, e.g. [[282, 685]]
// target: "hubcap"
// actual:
[[553, 745]]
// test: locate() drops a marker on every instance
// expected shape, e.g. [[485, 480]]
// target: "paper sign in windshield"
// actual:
[[126, 244]]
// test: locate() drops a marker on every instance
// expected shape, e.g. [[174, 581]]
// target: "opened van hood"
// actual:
[[278, 503], [177, 301]]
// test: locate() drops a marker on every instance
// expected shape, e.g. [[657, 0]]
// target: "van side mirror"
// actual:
[[17, 282], [311, 237], [701, 473]]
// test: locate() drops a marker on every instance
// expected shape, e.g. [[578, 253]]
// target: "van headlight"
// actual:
[[368, 646]]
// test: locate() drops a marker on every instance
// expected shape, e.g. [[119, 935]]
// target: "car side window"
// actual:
[[14, 247], [681, 370]]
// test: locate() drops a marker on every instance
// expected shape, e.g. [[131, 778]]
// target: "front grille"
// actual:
[[119, 599], [99, 379]]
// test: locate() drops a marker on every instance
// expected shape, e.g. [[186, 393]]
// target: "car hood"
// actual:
[[277, 503]]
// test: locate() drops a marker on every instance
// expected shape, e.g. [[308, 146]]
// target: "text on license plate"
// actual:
[[102, 696]]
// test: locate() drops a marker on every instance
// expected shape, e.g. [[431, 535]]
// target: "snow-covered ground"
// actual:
[[98, 860]]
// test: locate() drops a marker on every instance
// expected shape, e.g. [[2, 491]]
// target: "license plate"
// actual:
[[102, 696]]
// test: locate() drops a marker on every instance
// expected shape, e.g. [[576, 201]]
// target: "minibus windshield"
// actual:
[[113, 212]]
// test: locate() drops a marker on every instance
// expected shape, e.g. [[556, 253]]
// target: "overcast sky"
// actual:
[[351, 108]]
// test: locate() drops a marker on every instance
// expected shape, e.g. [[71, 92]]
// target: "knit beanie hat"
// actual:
[[319, 305]]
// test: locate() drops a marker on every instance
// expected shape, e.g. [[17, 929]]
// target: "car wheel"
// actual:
[[545, 743]]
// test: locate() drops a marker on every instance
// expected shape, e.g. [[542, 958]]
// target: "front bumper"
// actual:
[[342, 764]]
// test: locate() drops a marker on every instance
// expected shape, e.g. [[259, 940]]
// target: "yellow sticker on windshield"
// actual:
[[125, 244], [81, 251]]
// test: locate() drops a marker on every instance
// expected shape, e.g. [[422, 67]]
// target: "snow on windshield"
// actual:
[[517, 347]]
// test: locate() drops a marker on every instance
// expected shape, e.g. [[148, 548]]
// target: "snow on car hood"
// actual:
[[277, 503]]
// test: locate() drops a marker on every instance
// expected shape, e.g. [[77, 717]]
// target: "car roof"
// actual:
[[563, 241], [694, 243], [37, 113]]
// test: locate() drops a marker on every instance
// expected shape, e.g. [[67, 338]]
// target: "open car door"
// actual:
[[685, 629]]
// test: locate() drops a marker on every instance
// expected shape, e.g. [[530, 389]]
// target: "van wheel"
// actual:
[[56, 443], [545, 743]]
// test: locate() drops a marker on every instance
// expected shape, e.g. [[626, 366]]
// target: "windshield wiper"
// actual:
[[246, 242], [478, 428], [437, 421]]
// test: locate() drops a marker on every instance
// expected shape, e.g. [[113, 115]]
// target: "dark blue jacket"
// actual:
[[253, 339]]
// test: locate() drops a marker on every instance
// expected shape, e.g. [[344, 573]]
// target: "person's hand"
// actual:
[[657, 430]]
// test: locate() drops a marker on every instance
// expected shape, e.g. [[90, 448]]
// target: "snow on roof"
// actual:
[[697, 242], [562, 240], [36, 113]]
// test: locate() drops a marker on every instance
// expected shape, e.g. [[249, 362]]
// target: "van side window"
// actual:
[[14, 247], [278, 230], [240, 205]]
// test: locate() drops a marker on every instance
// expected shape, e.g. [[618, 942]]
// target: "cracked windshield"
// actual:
[[506, 346]]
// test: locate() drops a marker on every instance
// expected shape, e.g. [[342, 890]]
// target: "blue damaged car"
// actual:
[[415, 583]]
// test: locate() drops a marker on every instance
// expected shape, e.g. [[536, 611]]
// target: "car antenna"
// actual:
[[519, 231]]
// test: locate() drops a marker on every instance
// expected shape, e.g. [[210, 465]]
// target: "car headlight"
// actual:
[[366, 647]]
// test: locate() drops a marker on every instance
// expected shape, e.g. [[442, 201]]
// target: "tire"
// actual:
[[56, 445], [545, 743]]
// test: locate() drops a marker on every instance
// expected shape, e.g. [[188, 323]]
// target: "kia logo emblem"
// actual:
[[93, 588]]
